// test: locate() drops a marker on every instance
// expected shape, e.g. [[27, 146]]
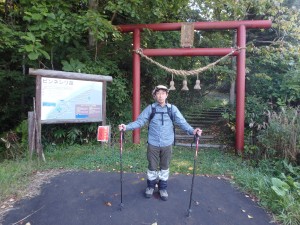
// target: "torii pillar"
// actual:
[[240, 26]]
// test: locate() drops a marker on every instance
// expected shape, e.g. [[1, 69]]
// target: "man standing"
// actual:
[[161, 117]]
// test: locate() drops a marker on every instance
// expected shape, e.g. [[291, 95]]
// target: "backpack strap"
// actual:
[[170, 112], [153, 111]]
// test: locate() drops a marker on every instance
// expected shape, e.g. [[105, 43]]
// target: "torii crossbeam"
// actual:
[[240, 26]]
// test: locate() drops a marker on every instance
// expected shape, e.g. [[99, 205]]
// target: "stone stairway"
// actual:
[[210, 121]]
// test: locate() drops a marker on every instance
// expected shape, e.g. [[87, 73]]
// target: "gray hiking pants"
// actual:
[[158, 162]]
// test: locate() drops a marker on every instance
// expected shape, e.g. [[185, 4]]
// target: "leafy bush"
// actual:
[[69, 133], [281, 138], [15, 142], [13, 148], [286, 188], [15, 97]]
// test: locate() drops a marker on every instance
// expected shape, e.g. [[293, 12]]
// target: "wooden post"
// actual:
[[37, 118], [104, 85], [31, 133]]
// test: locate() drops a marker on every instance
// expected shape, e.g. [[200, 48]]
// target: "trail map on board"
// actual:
[[66, 99]]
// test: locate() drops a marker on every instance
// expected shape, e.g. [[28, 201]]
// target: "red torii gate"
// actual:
[[240, 26]]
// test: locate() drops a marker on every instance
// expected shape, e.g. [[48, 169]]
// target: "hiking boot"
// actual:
[[163, 194], [149, 192]]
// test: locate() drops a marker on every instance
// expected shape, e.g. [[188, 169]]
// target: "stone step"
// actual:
[[190, 118], [205, 112], [202, 115], [220, 146], [214, 108], [202, 125], [204, 134], [203, 121], [206, 137]]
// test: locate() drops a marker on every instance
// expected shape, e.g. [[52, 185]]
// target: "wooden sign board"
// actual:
[[187, 35]]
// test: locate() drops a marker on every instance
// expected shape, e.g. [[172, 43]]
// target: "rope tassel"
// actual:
[[172, 86], [197, 85], [184, 87]]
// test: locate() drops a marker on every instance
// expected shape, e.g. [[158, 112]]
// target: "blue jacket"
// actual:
[[161, 132]]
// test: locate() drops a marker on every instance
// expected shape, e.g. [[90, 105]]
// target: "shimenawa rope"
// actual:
[[185, 72]]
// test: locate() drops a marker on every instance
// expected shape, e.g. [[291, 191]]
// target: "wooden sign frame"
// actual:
[[41, 73]]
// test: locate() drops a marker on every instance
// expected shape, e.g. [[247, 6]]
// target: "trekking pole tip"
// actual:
[[121, 206], [189, 213]]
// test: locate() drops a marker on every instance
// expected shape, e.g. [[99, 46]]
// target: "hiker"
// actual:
[[160, 116]]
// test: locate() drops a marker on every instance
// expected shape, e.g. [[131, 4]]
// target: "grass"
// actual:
[[15, 175]]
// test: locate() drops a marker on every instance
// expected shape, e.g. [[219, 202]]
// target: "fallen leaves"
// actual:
[[8, 204], [249, 216], [108, 204]]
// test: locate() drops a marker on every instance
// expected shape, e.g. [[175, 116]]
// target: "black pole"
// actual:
[[194, 171], [121, 169]]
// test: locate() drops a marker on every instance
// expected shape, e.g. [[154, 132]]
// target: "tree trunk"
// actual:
[[93, 5], [232, 92], [233, 77]]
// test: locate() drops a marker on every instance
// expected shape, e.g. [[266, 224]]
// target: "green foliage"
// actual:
[[255, 117], [33, 47], [15, 96], [118, 101], [22, 130], [8, 36], [99, 26], [287, 191], [14, 177], [282, 134], [73, 66], [15, 142], [13, 149], [255, 113], [276, 184], [69, 134], [277, 77]]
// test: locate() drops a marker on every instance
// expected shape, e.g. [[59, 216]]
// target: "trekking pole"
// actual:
[[121, 165], [194, 170]]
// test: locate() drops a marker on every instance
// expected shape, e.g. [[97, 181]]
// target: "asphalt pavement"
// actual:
[[94, 197]]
